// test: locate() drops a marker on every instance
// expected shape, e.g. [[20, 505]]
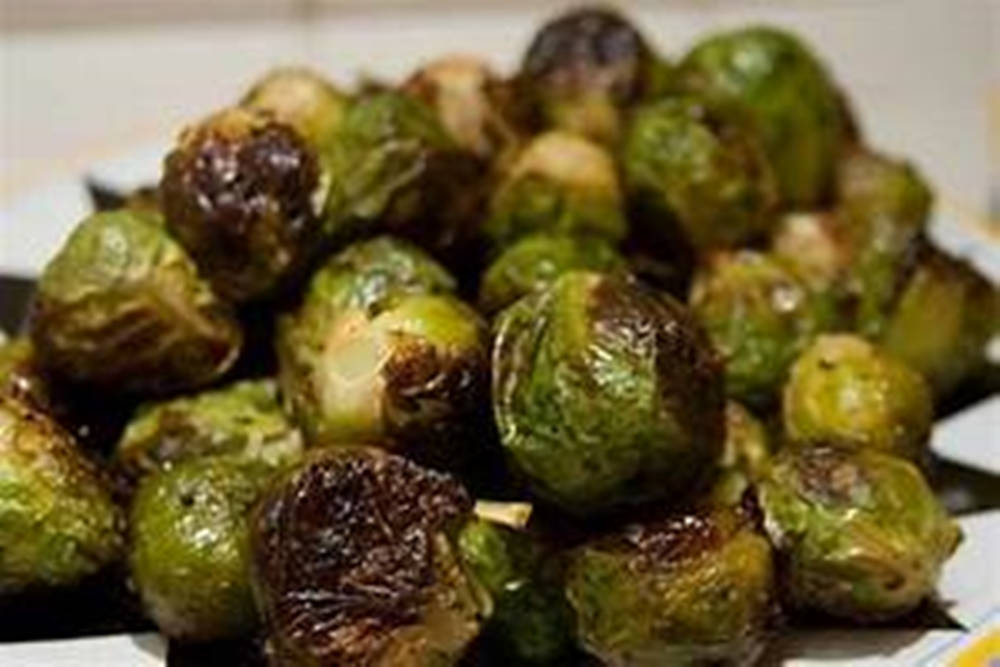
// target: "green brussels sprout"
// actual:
[[685, 166], [534, 262], [872, 186], [21, 374], [943, 320], [477, 108], [769, 80], [122, 306], [531, 620], [606, 394], [58, 523], [379, 352], [689, 590], [303, 99], [395, 169], [861, 533], [243, 419], [760, 315], [845, 391], [560, 183], [583, 68], [745, 455], [354, 563], [242, 193], [190, 553]]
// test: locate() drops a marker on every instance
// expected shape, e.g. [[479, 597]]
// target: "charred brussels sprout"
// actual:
[[606, 393], [561, 184], [241, 192], [688, 167], [583, 68], [536, 261], [58, 523], [531, 620], [302, 99], [477, 108], [690, 590], [861, 533], [771, 82], [122, 306], [745, 455], [845, 391], [243, 419], [355, 564], [190, 553], [760, 315], [873, 186], [395, 169]]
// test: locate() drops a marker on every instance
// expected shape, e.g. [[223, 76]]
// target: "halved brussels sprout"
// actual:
[[745, 455], [303, 99], [684, 165], [562, 184], [771, 81], [534, 262], [355, 564], [242, 193], [862, 534], [606, 394], [243, 419], [476, 107], [190, 554], [689, 590], [531, 621], [847, 392], [760, 315], [395, 169], [58, 523], [122, 306], [583, 68]]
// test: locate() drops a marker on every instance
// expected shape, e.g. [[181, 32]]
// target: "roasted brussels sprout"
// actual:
[[942, 320], [689, 590], [561, 184], [606, 394], [122, 306], [355, 564], [745, 454], [845, 391], [685, 166], [876, 188], [535, 261], [818, 247], [58, 523], [531, 620], [760, 315], [862, 535], [242, 193], [190, 554], [770, 81], [243, 419], [583, 68], [478, 109], [302, 99], [395, 169]]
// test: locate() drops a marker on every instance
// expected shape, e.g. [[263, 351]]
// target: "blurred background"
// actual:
[[83, 82]]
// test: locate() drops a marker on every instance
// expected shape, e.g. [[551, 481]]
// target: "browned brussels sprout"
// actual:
[[122, 306], [745, 455], [559, 184], [760, 314], [478, 109], [243, 420], [685, 166], [58, 523], [583, 68], [606, 394], [690, 590], [242, 193], [875, 188], [862, 535], [354, 564], [845, 391], [818, 247]]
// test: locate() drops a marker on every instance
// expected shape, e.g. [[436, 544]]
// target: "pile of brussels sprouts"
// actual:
[[300, 392]]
